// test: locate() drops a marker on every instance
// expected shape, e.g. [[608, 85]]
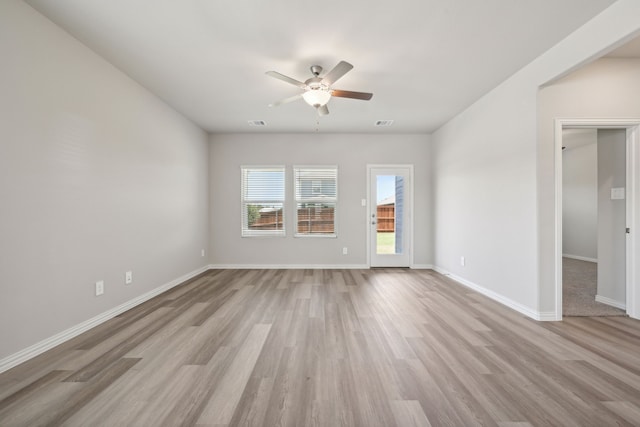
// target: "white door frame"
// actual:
[[632, 203], [372, 203]]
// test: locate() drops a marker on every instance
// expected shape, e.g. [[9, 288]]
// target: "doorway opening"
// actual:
[[593, 222], [596, 216]]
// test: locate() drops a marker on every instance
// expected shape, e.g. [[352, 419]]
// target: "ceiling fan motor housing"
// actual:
[[316, 70], [315, 83]]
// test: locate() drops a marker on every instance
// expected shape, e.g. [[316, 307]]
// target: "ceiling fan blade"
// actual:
[[284, 78], [365, 96], [322, 110], [286, 100], [338, 71]]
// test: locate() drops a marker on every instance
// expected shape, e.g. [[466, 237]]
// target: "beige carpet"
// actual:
[[579, 282]]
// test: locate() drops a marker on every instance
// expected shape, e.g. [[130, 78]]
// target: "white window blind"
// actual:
[[316, 194], [263, 197]]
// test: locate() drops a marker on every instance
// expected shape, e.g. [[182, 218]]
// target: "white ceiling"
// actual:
[[424, 60]]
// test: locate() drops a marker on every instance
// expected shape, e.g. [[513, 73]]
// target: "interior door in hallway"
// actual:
[[390, 213]]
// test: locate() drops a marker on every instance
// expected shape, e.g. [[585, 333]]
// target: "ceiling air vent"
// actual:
[[257, 123], [384, 122]]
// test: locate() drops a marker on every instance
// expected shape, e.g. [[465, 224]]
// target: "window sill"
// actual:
[[316, 236]]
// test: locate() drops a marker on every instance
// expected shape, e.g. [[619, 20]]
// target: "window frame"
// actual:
[[245, 201], [298, 199]]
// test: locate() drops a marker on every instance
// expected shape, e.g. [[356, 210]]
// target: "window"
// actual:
[[263, 201], [316, 194]]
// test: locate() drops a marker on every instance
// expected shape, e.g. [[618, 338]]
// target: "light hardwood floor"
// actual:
[[380, 347]]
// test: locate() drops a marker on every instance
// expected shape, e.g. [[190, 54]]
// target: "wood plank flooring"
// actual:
[[380, 347]]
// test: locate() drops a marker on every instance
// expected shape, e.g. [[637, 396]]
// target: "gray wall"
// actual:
[[97, 177], [494, 183], [606, 88], [352, 153], [580, 194], [611, 215]]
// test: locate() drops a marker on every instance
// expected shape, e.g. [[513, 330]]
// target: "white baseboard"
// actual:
[[303, 266], [48, 343], [548, 316], [580, 258], [536, 315], [422, 267], [613, 303], [288, 266]]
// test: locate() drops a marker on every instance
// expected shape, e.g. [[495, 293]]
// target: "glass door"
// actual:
[[390, 216]]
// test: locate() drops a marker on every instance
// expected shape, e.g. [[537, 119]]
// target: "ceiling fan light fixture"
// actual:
[[317, 97], [318, 90]]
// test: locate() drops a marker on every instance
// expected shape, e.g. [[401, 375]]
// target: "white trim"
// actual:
[[305, 266], [580, 258], [315, 236], [633, 222], [57, 339], [546, 316], [613, 303], [557, 265], [367, 209], [536, 315], [633, 205], [422, 267], [288, 266]]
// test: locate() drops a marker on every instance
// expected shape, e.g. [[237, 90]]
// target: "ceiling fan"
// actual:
[[317, 90]]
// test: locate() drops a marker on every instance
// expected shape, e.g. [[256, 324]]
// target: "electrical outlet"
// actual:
[[128, 278], [202, 252], [99, 287], [462, 261], [345, 251]]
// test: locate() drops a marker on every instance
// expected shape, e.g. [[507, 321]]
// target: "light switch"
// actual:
[[364, 202], [617, 193]]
